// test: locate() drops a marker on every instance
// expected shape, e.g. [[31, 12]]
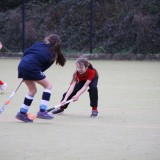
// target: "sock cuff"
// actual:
[[23, 110], [94, 108], [43, 107], [47, 90], [29, 97], [25, 106]]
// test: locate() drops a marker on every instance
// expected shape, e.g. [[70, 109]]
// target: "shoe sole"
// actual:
[[44, 118], [95, 116], [23, 120]]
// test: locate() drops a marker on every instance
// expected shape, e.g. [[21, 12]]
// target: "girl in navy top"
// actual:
[[38, 58], [85, 76]]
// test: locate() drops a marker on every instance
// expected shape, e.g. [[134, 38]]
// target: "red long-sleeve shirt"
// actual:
[[88, 75]]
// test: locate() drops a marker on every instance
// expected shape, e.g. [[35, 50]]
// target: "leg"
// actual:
[[31, 87], [46, 94], [22, 115], [43, 114], [45, 83], [29, 97], [93, 94]]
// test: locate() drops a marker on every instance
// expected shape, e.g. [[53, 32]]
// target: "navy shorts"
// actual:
[[31, 74]]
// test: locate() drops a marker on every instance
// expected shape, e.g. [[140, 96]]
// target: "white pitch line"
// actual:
[[39, 121], [108, 125]]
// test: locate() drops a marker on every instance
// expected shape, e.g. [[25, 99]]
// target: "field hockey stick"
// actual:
[[10, 97], [59, 105]]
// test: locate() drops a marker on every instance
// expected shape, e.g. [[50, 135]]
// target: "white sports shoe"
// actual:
[[3, 87]]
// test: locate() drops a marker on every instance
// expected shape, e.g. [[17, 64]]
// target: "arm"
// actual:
[[70, 90], [81, 91]]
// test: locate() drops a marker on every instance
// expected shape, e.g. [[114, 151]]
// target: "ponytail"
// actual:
[[54, 45], [59, 56], [91, 67]]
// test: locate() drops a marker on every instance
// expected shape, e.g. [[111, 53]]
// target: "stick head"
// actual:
[[30, 116]]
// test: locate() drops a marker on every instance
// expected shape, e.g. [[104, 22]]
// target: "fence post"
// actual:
[[91, 25], [23, 26]]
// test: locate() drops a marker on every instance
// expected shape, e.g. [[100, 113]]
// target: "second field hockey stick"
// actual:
[[10, 97], [57, 106], [33, 117]]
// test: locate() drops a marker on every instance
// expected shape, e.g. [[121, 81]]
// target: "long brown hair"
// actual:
[[86, 63], [53, 41]]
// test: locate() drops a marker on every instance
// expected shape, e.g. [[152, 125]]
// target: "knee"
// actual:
[[32, 92], [49, 86], [92, 89]]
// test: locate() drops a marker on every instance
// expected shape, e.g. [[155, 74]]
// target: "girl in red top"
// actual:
[[84, 76], [3, 86]]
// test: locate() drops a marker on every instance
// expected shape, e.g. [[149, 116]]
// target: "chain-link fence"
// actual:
[[28, 21], [105, 26]]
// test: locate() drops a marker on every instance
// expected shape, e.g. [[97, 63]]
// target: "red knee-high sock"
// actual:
[[94, 108]]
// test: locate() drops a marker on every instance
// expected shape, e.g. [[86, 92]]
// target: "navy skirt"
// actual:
[[28, 71], [31, 74]]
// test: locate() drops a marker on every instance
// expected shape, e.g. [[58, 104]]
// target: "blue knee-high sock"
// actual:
[[45, 100], [26, 104]]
